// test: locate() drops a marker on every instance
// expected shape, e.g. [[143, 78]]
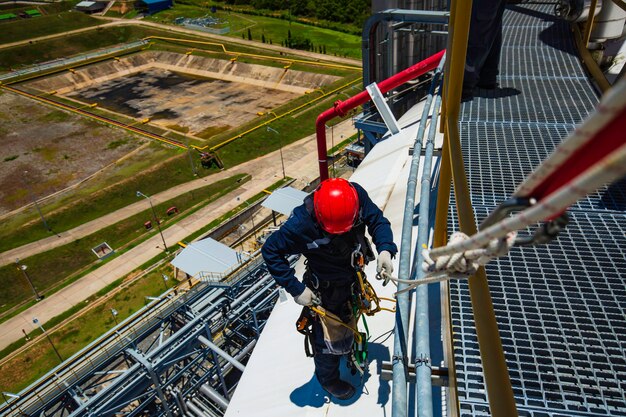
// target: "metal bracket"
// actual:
[[439, 375], [383, 108], [543, 234], [436, 152]]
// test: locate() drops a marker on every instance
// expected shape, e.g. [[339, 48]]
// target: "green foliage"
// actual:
[[299, 42], [10, 158], [340, 39]]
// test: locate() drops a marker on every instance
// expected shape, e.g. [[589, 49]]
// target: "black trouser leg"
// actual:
[[336, 300]]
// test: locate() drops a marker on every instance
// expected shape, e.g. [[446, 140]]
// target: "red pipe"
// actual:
[[340, 108]]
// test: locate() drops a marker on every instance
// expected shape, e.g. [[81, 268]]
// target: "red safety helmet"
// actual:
[[336, 204]]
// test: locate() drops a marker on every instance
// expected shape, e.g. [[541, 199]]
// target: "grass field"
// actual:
[[271, 29], [46, 25], [26, 367], [69, 45], [50, 269], [78, 333], [97, 199]]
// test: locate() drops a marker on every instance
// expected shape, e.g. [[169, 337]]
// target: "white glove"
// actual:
[[384, 267], [307, 298]]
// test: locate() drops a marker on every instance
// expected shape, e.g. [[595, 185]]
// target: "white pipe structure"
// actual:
[[222, 353]]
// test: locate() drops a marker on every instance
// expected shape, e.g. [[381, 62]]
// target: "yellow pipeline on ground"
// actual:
[[268, 57]]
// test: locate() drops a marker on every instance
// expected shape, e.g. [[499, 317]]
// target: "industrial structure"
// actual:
[[541, 334]]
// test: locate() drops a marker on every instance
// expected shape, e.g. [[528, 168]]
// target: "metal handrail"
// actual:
[[422, 334], [421, 328]]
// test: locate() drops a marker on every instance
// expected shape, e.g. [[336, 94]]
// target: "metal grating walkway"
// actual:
[[561, 308]]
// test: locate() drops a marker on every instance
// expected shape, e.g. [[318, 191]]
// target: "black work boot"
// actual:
[[339, 389]]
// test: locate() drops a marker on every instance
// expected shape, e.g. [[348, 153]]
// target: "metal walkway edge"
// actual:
[[560, 308]]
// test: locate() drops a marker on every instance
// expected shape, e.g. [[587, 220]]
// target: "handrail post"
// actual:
[[497, 381], [589, 23]]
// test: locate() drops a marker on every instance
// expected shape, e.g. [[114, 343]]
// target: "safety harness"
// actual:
[[364, 302]]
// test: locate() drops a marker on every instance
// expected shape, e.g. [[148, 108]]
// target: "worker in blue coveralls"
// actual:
[[326, 229], [483, 46]]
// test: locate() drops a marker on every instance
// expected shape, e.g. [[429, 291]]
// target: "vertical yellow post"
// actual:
[[497, 381], [446, 70], [589, 23]]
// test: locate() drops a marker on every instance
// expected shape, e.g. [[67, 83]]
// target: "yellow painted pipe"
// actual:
[[497, 381], [590, 63], [267, 57], [589, 23]]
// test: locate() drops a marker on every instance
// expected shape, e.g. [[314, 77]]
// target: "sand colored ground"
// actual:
[[216, 95], [54, 147]]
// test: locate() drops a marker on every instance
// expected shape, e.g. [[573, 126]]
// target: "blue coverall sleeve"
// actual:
[[378, 226], [277, 247]]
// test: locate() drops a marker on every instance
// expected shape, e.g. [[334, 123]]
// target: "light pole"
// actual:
[[22, 267], [148, 298], [114, 313], [36, 322], [32, 196], [165, 278], [280, 148], [156, 219]]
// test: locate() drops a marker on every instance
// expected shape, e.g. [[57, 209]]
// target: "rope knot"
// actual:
[[465, 263]]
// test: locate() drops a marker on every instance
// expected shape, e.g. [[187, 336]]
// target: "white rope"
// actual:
[[463, 255], [456, 265], [608, 170]]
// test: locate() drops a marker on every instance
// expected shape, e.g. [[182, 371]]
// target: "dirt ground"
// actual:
[[190, 94], [45, 150], [182, 102]]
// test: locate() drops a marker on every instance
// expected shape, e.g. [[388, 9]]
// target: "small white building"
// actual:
[[91, 6]]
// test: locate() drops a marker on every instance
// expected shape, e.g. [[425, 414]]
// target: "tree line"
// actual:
[[339, 11]]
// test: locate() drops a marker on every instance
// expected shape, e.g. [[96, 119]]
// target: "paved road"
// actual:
[[300, 163]]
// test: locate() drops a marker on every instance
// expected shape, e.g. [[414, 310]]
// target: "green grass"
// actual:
[[93, 204], [69, 45], [23, 29], [14, 376], [49, 269], [276, 30], [30, 365]]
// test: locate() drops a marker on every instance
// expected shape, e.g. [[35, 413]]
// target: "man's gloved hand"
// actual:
[[384, 268], [307, 298]]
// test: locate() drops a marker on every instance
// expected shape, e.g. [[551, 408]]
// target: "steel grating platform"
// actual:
[[509, 152], [545, 101], [560, 314], [561, 308]]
